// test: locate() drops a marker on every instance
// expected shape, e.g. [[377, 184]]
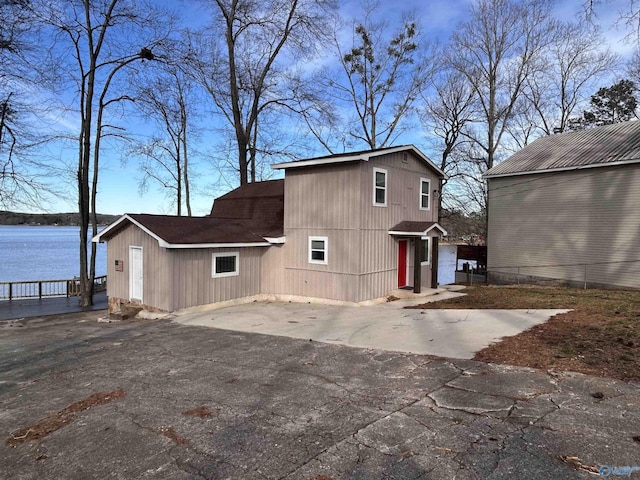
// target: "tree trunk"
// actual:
[[185, 157], [86, 282]]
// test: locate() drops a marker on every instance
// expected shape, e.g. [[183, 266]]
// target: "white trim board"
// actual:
[[365, 156]]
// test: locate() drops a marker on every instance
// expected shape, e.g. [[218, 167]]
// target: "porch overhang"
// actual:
[[416, 229]]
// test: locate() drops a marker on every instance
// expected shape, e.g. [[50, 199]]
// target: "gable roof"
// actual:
[[250, 215], [594, 147], [364, 155], [187, 232], [411, 228]]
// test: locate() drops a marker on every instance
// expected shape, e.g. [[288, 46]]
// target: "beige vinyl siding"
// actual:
[[193, 284], [179, 278], [567, 224], [157, 285], [403, 190], [379, 258], [337, 202], [272, 279], [323, 202]]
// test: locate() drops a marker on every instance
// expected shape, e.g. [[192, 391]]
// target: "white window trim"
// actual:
[[326, 250], [386, 184], [235, 273], [428, 182], [428, 260]]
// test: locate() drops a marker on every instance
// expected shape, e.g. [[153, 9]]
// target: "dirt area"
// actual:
[[600, 336]]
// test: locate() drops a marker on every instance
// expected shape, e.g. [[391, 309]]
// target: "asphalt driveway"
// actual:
[[388, 326], [156, 399]]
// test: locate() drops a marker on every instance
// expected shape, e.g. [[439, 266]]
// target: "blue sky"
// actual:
[[119, 192]]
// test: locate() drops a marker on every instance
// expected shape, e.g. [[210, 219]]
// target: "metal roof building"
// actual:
[[593, 147]]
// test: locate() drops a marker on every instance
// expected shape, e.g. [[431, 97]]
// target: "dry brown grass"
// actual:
[[600, 336]]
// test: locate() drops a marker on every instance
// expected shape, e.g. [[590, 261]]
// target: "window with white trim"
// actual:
[[225, 264], [318, 250], [425, 251], [425, 194], [379, 187]]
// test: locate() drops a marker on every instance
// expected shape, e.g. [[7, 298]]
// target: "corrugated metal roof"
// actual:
[[592, 147]]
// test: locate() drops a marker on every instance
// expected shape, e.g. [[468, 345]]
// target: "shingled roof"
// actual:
[[594, 147], [252, 214], [258, 205]]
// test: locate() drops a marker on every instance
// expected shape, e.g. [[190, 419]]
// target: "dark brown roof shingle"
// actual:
[[247, 215], [196, 230], [259, 206]]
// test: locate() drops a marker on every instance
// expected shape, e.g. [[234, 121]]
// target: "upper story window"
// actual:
[[225, 264], [379, 187], [425, 194], [318, 250]]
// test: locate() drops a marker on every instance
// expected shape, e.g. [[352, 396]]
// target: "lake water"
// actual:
[[43, 253]]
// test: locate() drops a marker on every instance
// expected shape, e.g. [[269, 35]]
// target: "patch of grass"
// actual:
[[600, 336]]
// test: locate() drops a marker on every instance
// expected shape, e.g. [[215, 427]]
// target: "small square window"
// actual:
[[425, 194], [379, 187], [318, 250], [225, 264]]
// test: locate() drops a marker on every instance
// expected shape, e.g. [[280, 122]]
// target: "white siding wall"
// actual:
[[554, 225]]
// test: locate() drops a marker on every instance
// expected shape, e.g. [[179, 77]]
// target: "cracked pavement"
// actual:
[[281, 408]]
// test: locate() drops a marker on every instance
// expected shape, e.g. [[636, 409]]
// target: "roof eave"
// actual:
[[215, 245], [276, 240], [560, 169], [362, 156], [420, 233]]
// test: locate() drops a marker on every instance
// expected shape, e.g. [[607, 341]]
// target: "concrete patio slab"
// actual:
[[445, 333]]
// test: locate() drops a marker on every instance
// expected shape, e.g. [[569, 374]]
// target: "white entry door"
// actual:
[[135, 273]]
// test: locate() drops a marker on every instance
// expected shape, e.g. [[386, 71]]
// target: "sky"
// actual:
[[119, 180]]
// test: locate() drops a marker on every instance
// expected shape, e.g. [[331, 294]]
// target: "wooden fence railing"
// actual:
[[47, 288]]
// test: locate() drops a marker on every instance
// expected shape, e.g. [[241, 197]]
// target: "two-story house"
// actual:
[[350, 227]]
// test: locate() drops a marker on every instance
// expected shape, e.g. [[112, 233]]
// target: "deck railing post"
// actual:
[[10, 291], [39, 289]]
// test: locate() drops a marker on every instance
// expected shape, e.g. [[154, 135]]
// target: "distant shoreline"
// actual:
[[71, 219]]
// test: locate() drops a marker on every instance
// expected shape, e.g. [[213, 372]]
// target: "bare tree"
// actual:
[[629, 16], [97, 39], [570, 66], [380, 77], [496, 50], [168, 99], [448, 112], [23, 179], [244, 70]]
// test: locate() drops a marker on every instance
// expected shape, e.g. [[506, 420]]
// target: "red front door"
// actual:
[[402, 263]]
